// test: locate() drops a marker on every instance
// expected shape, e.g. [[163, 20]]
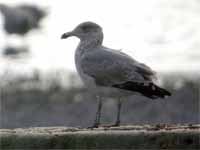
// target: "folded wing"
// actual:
[[115, 69], [112, 67]]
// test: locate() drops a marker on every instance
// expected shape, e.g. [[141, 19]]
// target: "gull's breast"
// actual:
[[87, 80]]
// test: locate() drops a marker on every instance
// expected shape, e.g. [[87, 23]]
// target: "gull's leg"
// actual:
[[98, 113], [119, 104]]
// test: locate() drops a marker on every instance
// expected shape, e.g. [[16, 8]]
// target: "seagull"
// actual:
[[103, 69]]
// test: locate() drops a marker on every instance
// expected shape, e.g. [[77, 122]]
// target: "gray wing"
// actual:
[[110, 67]]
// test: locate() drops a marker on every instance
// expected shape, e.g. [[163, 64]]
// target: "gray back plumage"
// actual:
[[110, 67]]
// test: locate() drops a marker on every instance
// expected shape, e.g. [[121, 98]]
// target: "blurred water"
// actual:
[[24, 104]]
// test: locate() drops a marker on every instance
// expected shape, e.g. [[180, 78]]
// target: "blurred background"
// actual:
[[39, 84]]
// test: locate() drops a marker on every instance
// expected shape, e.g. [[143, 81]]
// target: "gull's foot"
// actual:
[[96, 125], [117, 124]]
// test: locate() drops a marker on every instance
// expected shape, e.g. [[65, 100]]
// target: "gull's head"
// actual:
[[85, 30]]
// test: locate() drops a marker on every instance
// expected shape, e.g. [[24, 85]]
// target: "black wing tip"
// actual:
[[149, 90], [163, 93]]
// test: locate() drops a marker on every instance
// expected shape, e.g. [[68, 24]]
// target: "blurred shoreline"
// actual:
[[27, 102]]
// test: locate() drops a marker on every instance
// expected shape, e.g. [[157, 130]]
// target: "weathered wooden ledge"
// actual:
[[141, 136]]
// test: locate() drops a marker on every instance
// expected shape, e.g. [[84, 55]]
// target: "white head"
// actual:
[[86, 31]]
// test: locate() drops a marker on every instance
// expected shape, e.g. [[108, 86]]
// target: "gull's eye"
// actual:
[[88, 28]]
